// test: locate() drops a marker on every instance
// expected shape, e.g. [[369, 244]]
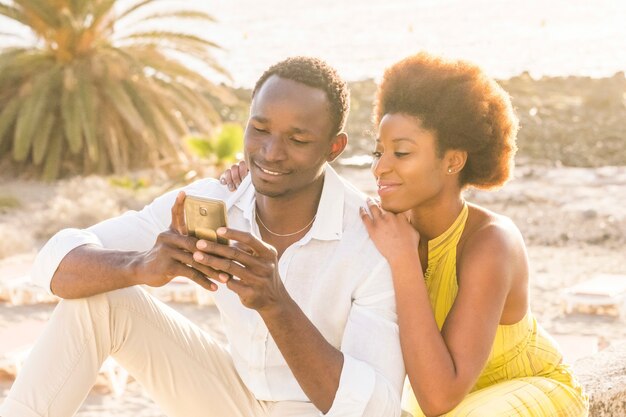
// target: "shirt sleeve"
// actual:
[[132, 231], [373, 372]]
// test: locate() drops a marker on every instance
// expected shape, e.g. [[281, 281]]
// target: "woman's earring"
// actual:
[[449, 170]]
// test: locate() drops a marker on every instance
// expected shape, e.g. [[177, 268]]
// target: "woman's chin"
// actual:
[[392, 208]]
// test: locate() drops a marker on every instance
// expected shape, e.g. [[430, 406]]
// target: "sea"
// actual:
[[362, 37]]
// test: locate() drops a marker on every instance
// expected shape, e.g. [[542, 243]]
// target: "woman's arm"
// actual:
[[443, 366]]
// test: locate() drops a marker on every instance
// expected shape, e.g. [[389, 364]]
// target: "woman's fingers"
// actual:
[[227, 179], [234, 173], [243, 170], [375, 209], [367, 219]]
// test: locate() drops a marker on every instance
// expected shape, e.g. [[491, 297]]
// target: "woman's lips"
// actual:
[[387, 187]]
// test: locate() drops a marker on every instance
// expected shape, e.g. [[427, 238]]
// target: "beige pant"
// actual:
[[183, 370]]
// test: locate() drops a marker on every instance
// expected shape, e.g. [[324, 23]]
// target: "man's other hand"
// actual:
[[252, 263]]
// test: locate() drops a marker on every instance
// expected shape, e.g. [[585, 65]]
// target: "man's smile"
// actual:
[[272, 172]]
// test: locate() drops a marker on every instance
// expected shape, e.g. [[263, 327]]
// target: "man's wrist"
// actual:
[[133, 268], [278, 309]]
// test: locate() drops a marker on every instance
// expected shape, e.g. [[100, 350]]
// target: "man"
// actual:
[[306, 300]]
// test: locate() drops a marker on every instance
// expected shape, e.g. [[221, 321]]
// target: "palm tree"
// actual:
[[100, 88]]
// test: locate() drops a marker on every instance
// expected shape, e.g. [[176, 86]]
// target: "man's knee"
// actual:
[[127, 296], [100, 304], [126, 293]]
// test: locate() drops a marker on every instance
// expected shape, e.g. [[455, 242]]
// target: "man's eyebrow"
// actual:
[[300, 130], [294, 129]]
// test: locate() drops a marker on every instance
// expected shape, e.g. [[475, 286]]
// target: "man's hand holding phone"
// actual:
[[172, 255], [251, 261]]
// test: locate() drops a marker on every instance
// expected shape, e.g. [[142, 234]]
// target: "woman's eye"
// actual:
[[260, 129], [377, 154], [400, 154]]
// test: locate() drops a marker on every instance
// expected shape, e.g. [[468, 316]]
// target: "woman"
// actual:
[[471, 346]]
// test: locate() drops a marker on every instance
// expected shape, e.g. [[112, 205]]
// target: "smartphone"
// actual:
[[204, 216]]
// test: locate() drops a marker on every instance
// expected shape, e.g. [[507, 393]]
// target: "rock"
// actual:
[[589, 214], [608, 94], [604, 377]]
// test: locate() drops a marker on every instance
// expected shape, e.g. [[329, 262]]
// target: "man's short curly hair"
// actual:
[[317, 74], [465, 108]]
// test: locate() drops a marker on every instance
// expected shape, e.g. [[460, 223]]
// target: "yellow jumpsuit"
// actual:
[[524, 374]]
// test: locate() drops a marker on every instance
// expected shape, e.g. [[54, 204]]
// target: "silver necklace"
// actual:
[[286, 234]]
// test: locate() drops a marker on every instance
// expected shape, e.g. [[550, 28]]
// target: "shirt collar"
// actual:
[[328, 224]]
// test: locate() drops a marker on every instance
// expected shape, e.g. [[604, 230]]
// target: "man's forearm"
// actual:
[[315, 363], [88, 270]]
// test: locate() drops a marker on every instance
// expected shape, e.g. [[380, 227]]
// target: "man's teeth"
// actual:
[[270, 172]]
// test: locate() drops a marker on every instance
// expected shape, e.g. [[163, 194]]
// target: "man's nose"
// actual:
[[274, 149]]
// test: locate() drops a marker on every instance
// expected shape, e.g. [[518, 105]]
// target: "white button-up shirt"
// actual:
[[334, 273]]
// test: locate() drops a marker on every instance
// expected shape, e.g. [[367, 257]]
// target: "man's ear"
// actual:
[[337, 146]]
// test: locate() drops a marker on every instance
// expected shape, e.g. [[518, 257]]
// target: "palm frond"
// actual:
[[87, 109], [191, 106], [71, 120], [52, 165], [116, 144], [102, 12], [133, 8], [31, 111], [165, 36], [156, 51], [11, 35], [79, 8], [152, 131], [7, 117], [164, 132], [13, 13], [171, 68], [119, 99], [21, 64], [40, 144], [39, 10], [174, 122], [180, 14]]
